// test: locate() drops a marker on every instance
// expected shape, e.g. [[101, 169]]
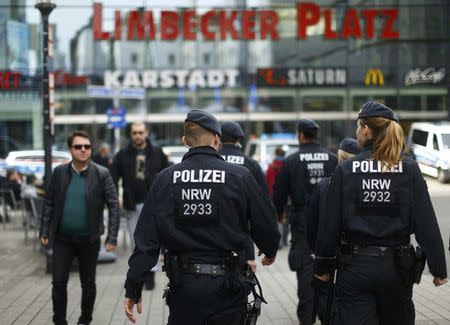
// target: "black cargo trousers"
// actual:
[[370, 291], [204, 299], [301, 262]]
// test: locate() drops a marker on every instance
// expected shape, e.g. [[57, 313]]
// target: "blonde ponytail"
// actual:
[[388, 140]]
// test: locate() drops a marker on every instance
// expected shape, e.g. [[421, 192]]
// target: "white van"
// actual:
[[263, 149], [430, 144]]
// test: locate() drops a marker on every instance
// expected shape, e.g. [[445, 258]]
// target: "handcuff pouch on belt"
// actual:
[[173, 268], [410, 263], [234, 277], [241, 275]]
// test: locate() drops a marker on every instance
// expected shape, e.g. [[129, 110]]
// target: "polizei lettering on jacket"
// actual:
[[238, 160], [373, 166], [314, 156], [199, 176]]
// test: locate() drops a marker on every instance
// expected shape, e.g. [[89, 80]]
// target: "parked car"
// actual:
[[175, 153], [32, 161], [430, 145], [263, 149]]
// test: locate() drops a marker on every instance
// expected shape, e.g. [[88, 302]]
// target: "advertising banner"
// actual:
[[17, 46], [302, 77]]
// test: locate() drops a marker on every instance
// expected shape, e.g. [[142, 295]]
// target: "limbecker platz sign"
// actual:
[[221, 24]]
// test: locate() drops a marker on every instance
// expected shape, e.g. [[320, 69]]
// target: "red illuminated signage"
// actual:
[[9, 80], [261, 24], [301, 77], [187, 24], [309, 14], [66, 79]]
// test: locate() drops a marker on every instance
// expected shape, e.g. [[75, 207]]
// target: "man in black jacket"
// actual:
[[73, 220], [137, 165]]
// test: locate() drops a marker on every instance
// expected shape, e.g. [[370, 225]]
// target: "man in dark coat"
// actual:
[[137, 165]]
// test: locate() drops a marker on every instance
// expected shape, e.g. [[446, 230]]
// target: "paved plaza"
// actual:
[[25, 288]]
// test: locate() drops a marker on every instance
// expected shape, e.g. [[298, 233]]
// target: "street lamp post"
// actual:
[[45, 7]]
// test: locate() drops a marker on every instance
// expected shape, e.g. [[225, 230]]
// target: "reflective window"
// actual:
[[269, 101], [409, 103], [436, 103], [446, 140], [322, 104], [390, 101], [420, 137], [435, 142]]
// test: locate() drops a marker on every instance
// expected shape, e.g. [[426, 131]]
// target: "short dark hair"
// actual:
[[195, 135], [30, 178], [10, 172], [228, 139], [147, 128], [78, 133], [279, 152], [311, 134]]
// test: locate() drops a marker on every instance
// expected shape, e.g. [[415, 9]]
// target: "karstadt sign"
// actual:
[[171, 78], [221, 24]]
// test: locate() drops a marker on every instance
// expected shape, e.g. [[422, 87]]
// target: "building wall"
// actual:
[[423, 44]]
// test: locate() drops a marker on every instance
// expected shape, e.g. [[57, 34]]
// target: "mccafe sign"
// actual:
[[262, 24], [424, 76]]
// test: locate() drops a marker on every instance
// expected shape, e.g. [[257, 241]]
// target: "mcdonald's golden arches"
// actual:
[[374, 77]]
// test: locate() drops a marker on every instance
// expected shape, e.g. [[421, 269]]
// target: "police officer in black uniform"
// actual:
[[374, 202], [231, 151], [202, 210], [347, 149], [301, 172]]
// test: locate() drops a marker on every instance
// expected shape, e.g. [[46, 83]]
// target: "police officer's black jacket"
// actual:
[[300, 173], [233, 154], [375, 208], [312, 214], [100, 189], [202, 206]]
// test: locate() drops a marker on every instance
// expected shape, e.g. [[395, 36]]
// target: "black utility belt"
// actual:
[[377, 251], [205, 269]]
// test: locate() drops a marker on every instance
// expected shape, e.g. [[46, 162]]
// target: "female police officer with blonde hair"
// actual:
[[374, 202]]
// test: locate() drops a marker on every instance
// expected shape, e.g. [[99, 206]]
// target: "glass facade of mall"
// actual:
[[277, 81]]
